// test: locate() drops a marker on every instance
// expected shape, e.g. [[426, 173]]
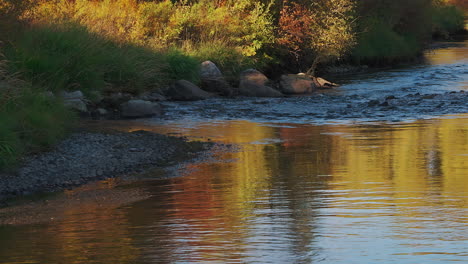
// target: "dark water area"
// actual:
[[312, 190]]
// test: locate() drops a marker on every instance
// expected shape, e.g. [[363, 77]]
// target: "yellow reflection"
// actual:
[[447, 55], [411, 169]]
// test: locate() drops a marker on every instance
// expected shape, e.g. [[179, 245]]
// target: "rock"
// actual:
[[296, 84], [429, 96], [323, 84], [219, 86], [140, 108], [71, 95], [152, 96], [209, 70], [116, 99], [186, 91], [255, 83], [76, 104], [102, 111], [373, 103], [212, 80], [255, 77]]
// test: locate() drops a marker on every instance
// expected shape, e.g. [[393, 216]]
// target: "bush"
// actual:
[[447, 20], [381, 44]]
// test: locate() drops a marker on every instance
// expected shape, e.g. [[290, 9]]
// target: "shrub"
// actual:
[[381, 44], [447, 19], [319, 30]]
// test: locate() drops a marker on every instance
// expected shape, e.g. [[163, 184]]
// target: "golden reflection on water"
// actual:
[[448, 55], [291, 192]]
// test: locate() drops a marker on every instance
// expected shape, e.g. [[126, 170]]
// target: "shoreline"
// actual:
[[85, 157]]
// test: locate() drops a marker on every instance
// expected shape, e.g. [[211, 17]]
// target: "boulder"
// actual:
[[212, 80], [255, 83], [296, 84], [76, 104], [217, 86], [254, 76], [209, 70], [152, 96], [140, 108], [186, 91]]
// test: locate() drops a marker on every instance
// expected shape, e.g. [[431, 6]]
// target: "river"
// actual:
[[297, 187]]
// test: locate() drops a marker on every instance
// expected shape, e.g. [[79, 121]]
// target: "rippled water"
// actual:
[[288, 193]]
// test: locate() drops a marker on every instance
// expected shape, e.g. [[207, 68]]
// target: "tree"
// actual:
[[317, 30]]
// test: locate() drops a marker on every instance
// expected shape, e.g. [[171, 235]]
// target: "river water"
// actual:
[[292, 189]]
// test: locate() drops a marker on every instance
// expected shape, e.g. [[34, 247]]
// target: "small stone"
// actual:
[[76, 104], [102, 111], [140, 108], [373, 103], [71, 95]]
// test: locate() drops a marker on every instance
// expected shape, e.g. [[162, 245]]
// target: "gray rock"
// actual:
[[254, 83], [76, 104], [71, 95], [102, 111], [209, 70], [152, 96], [254, 76], [296, 84], [186, 91], [218, 86], [140, 108], [212, 80], [116, 99]]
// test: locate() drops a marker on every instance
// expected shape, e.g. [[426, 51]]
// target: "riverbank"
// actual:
[[89, 156]]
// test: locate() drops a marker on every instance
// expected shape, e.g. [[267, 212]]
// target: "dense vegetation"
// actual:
[[135, 45]]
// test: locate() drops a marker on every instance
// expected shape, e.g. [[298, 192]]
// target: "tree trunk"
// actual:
[[311, 71]]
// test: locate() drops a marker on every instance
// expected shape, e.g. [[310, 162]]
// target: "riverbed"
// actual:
[[375, 171]]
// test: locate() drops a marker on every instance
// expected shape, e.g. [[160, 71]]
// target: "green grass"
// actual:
[[30, 121], [71, 58]]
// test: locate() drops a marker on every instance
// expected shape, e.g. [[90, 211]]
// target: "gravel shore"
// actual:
[[89, 156]]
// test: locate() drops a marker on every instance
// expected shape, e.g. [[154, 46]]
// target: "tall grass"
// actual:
[[70, 58], [29, 120], [244, 27]]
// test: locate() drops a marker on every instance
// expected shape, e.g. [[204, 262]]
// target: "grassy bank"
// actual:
[[56, 58], [30, 121]]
